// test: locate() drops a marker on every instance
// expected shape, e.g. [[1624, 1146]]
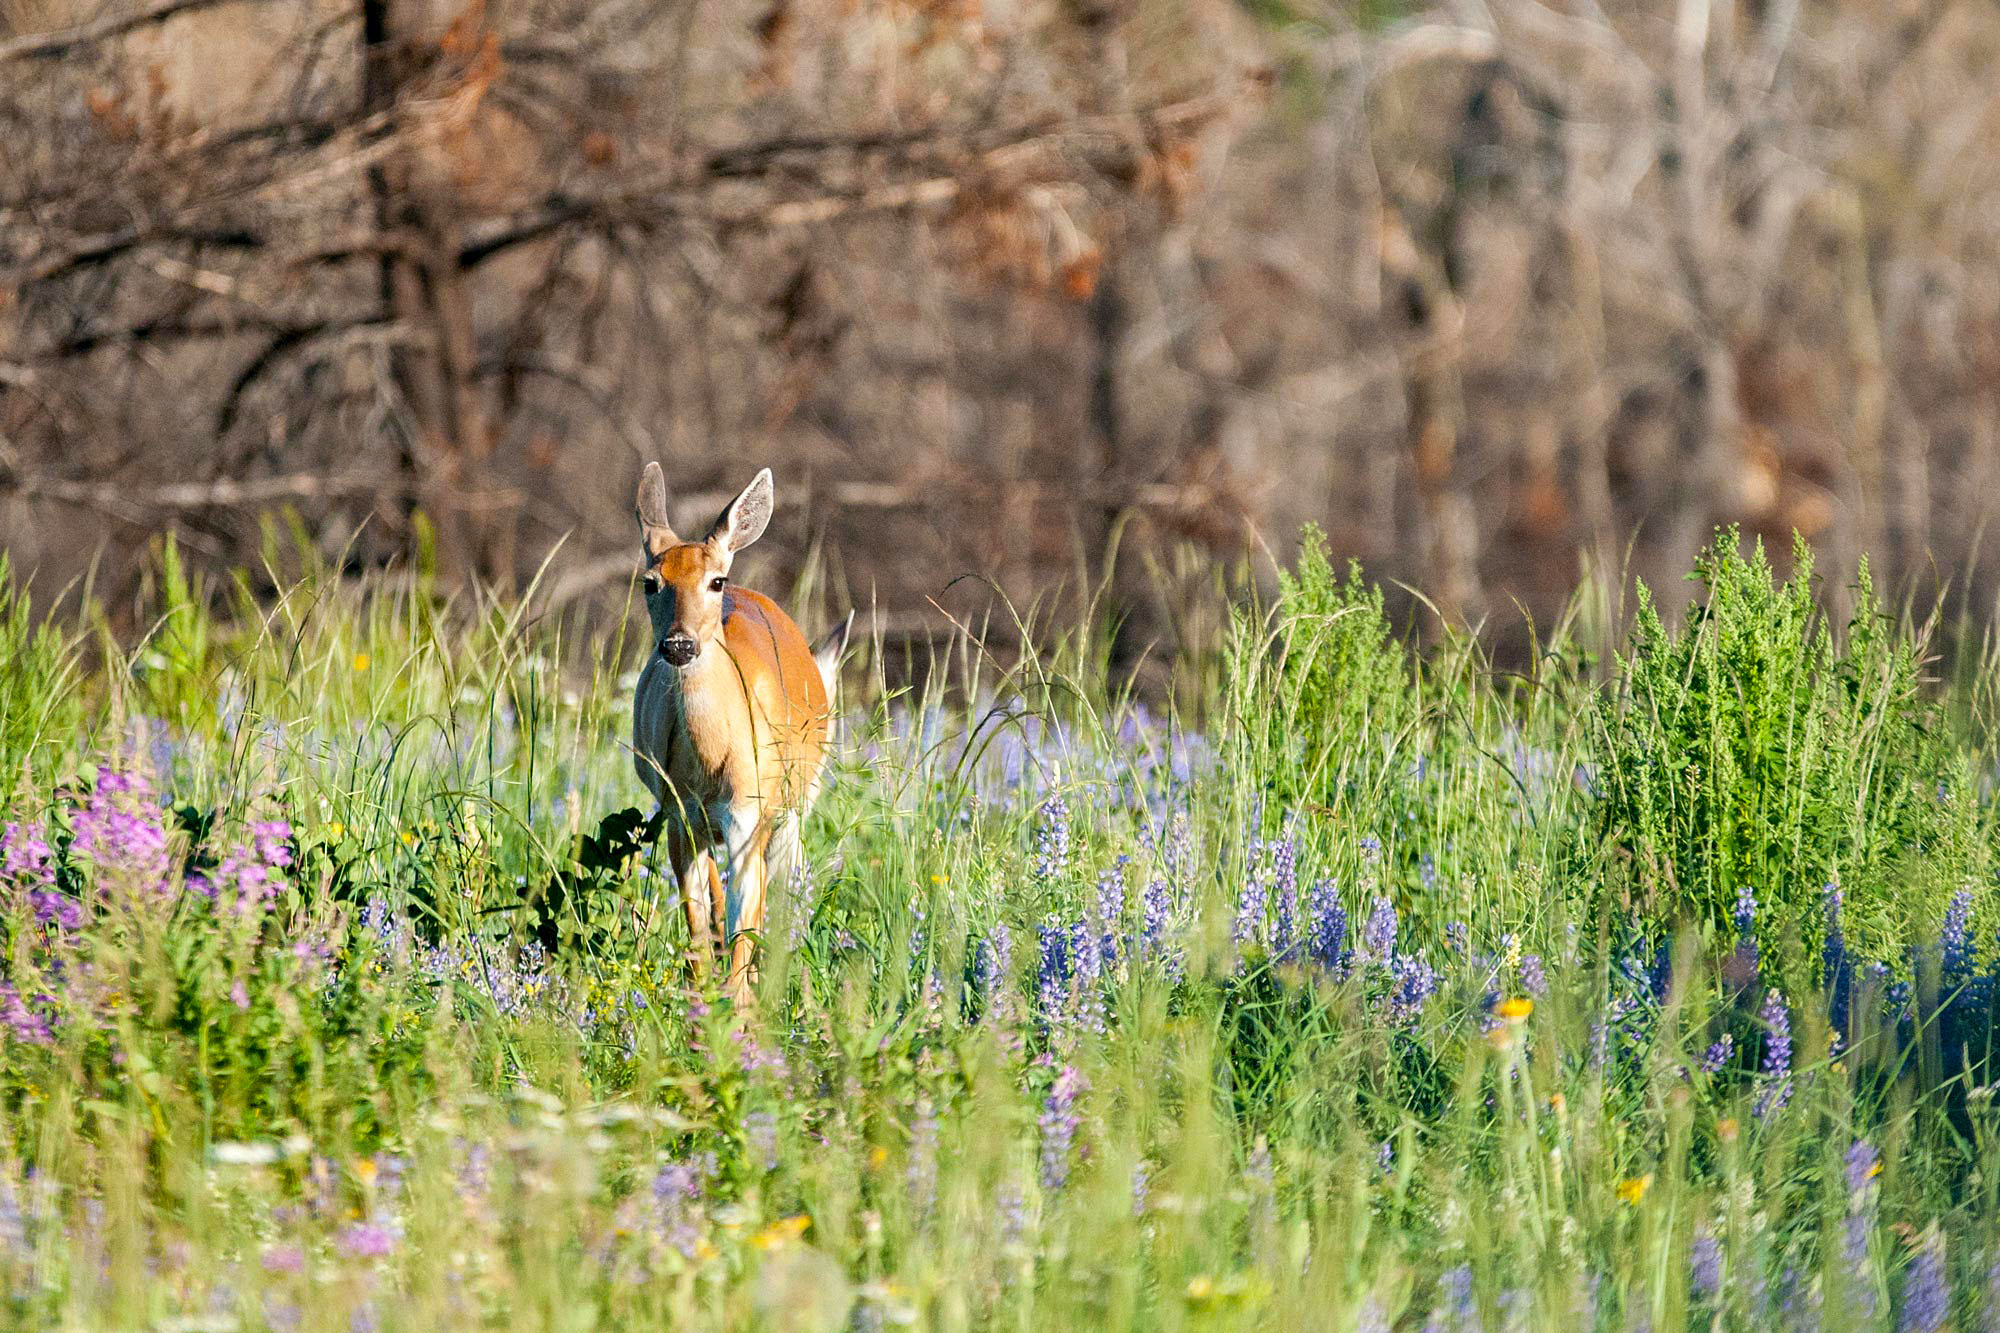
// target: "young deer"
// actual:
[[730, 722]]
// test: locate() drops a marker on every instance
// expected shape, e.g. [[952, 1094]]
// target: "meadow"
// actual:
[[1364, 988]]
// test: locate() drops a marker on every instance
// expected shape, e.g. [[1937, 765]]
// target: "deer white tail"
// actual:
[[828, 652]]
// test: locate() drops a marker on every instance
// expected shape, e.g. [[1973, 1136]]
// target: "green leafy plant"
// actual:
[[1754, 750]]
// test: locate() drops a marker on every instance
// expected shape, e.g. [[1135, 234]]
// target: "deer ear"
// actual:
[[653, 510], [745, 517]]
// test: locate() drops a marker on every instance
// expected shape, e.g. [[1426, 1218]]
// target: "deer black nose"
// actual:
[[679, 649]]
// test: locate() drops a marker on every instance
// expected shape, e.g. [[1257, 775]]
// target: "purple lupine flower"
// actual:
[[1798, 1302], [1385, 1156], [991, 964], [1154, 908], [1013, 1209], [1413, 982], [676, 1188], [1455, 1298], [1862, 1165], [1534, 978], [1052, 841], [1854, 1253], [1839, 970], [920, 1176], [1955, 943], [1926, 1289], [1660, 976], [1087, 955], [1142, 1186], [1378, 932], [1717, 1055], [1058, 1123], [1739, 970], [1285, 891], [474, 1173], [1777, 1069], [1285, 928], [1326, 933], [1251, 899], [1053, 974], [13, 1222], [1458, 936], [1704, 1267], [1110, 909]]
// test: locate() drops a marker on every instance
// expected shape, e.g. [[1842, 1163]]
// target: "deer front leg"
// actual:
[[694, 873], [749, 836]]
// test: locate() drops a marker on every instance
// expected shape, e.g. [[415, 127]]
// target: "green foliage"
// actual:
[[1752, 749], [1323, 686], [41, 707], [463, 1029]]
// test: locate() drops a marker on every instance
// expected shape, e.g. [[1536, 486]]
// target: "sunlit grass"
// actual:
[[1335, 1003]]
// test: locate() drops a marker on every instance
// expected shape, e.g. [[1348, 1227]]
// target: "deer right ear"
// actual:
[[653, 523]]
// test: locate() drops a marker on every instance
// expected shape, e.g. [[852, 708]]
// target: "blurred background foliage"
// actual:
[[1100, 295]]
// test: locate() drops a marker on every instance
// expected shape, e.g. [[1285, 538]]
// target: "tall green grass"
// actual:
[[1056, 1030]]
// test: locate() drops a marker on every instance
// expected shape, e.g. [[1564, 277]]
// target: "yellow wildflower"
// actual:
[[1201, 1288], [1515, 1010], [361, 661], [782, 1231], [877, 1155], [1634, 1189]]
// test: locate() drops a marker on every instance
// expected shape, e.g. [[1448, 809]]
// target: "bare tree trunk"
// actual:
[[1431, 351], [445, 431]]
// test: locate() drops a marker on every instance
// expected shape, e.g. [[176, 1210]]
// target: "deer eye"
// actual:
[[715, 584], [652, 583]]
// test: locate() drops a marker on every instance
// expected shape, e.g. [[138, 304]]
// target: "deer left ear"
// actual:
[[744, 519]]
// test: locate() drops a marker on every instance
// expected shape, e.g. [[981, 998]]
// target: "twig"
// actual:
[[46, 45], [220, 493]]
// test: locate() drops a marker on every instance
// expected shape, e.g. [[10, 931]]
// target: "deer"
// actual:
[[731, 723]]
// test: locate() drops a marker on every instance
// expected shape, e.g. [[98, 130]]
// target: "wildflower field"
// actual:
[[1650, 988]]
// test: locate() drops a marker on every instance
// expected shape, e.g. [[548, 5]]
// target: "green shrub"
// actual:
[[1752, 749]]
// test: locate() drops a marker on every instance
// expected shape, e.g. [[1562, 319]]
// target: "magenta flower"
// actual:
[[368, 1240], [26, 860], [1058, 1123], [119, 832], [284, 1259]]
